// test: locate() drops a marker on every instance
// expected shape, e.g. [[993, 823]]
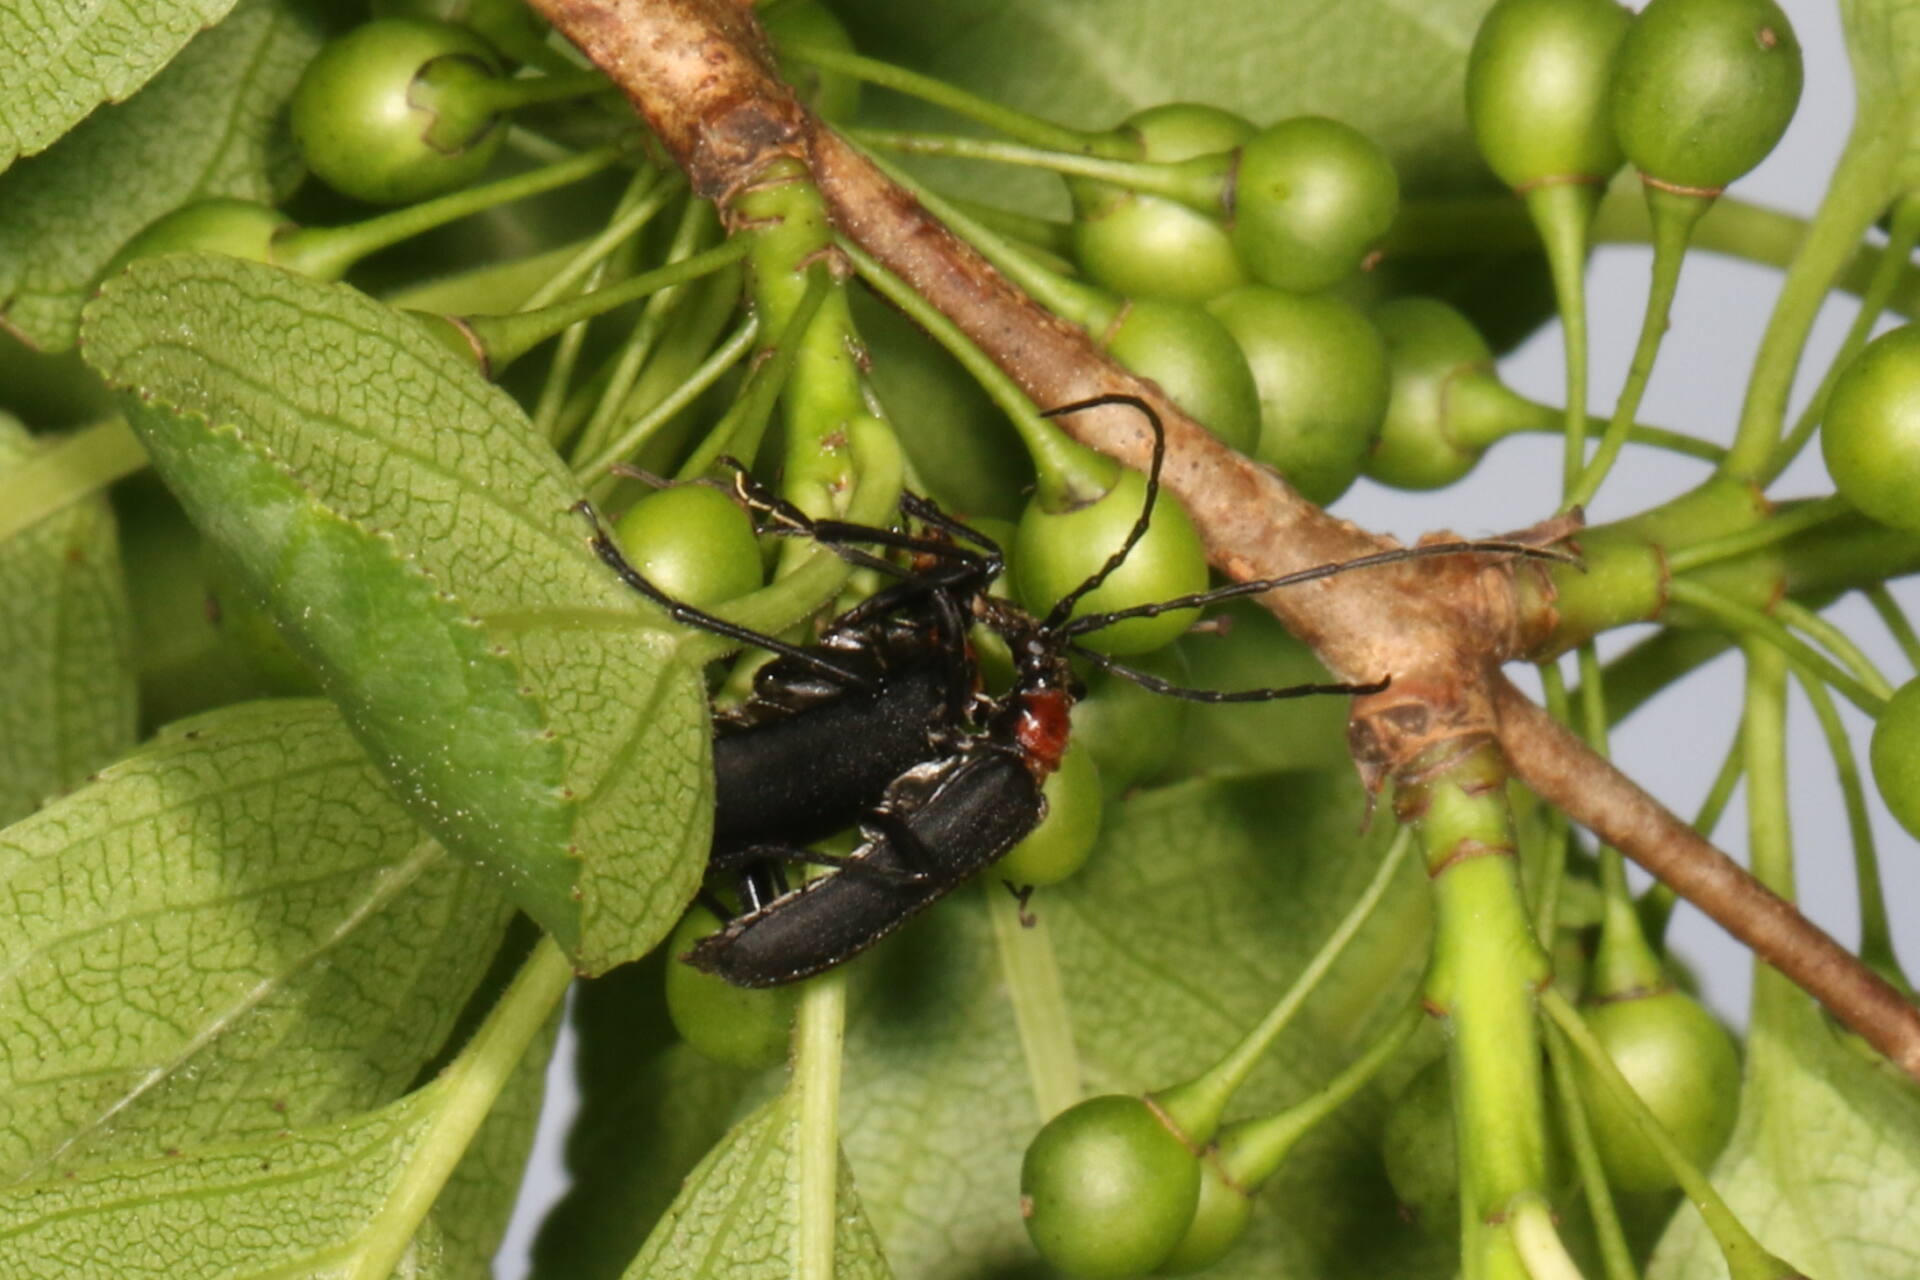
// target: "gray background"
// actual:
[[1675, 744]]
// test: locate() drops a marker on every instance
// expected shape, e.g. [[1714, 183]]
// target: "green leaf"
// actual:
[[209, 125], [416, 540], [314, 1203], [736, 1216], [1824, 1164], [294, 1204], [233, 931], [1199, 907], [67, 696], [650, 1108], [63, 58]]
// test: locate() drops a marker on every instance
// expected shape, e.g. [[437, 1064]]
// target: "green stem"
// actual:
[[739, 430], [1015, 124], [696, 220], [1856, 194], [1197, 1105], [1252, 1151], [1746, 1260], [1049, 447], [724, 357], [469, 1086], [645, 197], [1553, 421], [1198, 183], [505, 338], [1044, 235], [327, 253], [1537, 1240], [509, 93], [1448, 226], [1778, 527], [69, 471], [1674, 216], [1836, 641], [1892, 264], [1615, 1256], [1553, 872], [818, 1037], [1876, 933], [1563, 211], [1896, 622], [1745, 621], [1091, 308], [1485, 975], [1040, 1009]]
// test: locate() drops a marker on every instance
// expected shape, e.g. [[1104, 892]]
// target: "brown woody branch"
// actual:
[[700, 72]]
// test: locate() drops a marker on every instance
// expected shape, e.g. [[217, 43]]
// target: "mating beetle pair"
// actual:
[[882, 724]]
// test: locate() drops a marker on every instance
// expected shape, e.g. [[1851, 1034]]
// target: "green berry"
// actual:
[[1871, 436], [1537, 83], [1143, 246], [1311, 199], [1433, 352], [1896, 755], [1059, 846], [1194, 359], [1321, 370], [834, 97], [396, 110], [1421, 1151], [1684, 1066], [1219, 1220], [692, 542], [1054, 551], [1703, 89], [237, 228], [737, 1026], [1107, 1189]]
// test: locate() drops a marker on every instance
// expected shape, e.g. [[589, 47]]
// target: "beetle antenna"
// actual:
[[1063, 608]]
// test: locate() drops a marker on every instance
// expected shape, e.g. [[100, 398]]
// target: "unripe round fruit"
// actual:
[[693, 543], [1871, 436], [1219, 1220], [388, 113], [1312, 198], [738, 1026], [1059, 846], [1429, 347], [1131, 732], [1196, 362], [1421, 1151], [834, 97], [1537, 84], [1703, 89], [1321, 370], [507, 25], [1107, 1189], [1054, 552], [1684, 1066], [1896, 755], [237, 228], [1143, 246]]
